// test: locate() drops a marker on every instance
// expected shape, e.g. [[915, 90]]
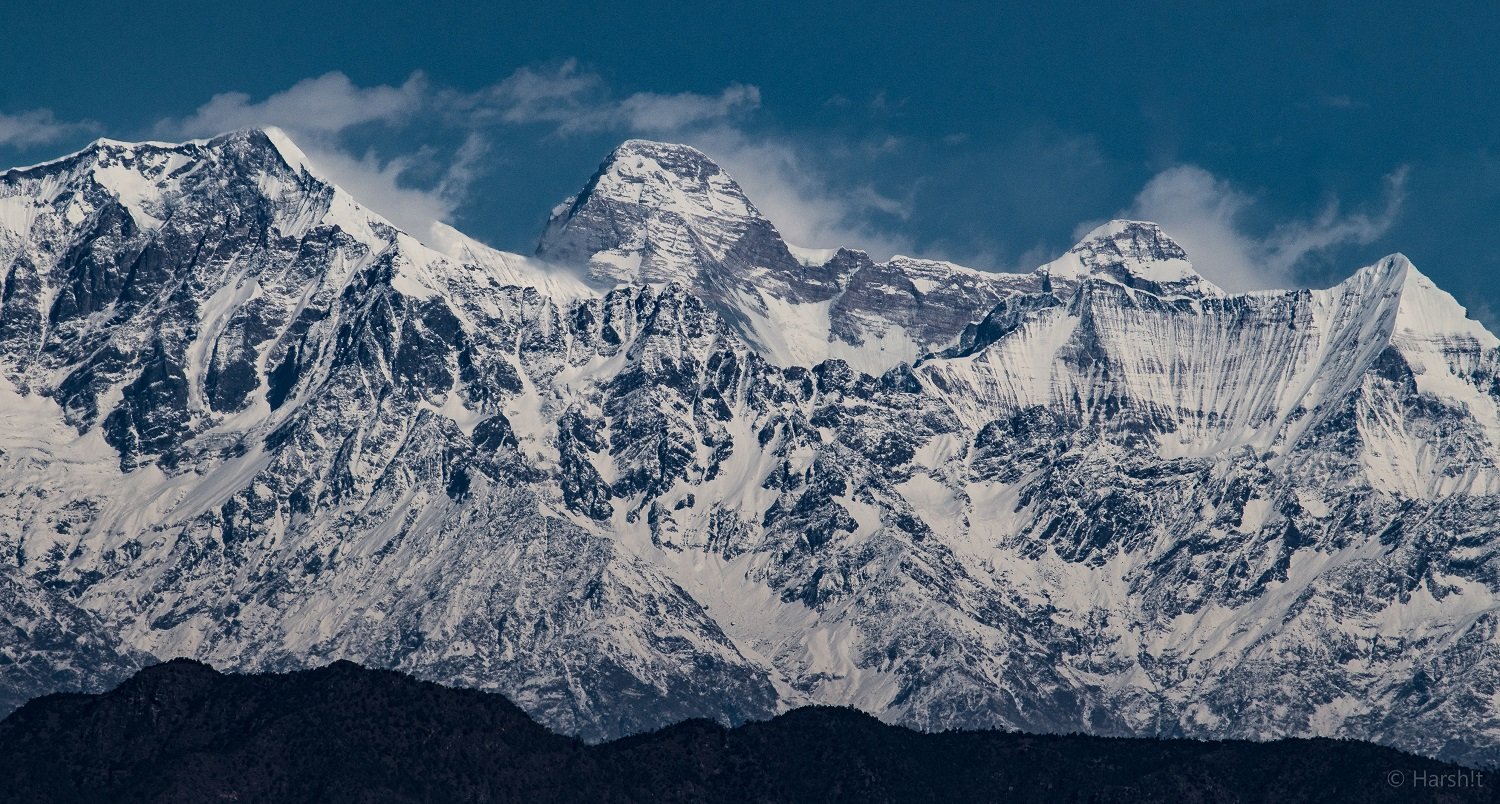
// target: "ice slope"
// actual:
[[1202, 376], [246, 420]]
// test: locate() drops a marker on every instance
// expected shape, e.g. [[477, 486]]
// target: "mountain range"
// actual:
[[671, 466]]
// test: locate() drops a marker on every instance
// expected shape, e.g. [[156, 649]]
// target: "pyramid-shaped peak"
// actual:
[[667, 176], [1140, 241], [1133, 253], [1391, 275], [272, 137], [671, 161], [640, 181], [1392, 269], [654, 148], [667, 162], [1423, 309]]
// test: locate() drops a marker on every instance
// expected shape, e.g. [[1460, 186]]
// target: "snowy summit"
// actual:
[[669, 466]]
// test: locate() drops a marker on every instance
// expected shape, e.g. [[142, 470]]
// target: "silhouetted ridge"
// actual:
[[180, 731]]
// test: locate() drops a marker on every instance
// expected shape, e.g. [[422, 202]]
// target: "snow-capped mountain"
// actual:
[[670, 468], [659, 213]]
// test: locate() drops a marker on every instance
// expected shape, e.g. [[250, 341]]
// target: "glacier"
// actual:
[[671, 466]]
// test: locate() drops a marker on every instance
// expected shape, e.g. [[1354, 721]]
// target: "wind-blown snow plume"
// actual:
[[1206, 214]]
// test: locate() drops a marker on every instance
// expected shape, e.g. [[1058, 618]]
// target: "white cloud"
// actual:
[[649, 111], [1205, 214], [784, 183], [781, 177], [464, 167], [327, 104], [573, 100], [531, 95], [315, 112], [37, 127], [376, 183]]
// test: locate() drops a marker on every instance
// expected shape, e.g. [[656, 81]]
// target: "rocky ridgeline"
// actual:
[[664, 469]]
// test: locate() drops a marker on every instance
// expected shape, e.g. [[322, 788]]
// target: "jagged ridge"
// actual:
[[246, 420]]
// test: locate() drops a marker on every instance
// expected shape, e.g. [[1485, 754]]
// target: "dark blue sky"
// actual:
[[1283, 143]]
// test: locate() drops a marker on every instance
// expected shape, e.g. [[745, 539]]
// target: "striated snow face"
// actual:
[[1259, 371], [672, 468]]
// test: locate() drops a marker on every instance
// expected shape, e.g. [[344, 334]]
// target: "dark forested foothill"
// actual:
[[182, 732]]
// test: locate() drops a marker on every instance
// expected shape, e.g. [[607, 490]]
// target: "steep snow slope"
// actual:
[[667, 469], [657, 212], [1202, 376]]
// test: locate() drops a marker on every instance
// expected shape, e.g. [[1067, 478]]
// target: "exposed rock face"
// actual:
[[666, 213], [48, 644], [243, 419], [1134, 254]]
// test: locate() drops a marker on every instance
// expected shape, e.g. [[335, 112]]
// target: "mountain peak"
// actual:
[[656, 212], [276, 139], [1136, 254], [268, 137], [1141, 239], [260, 365], [654, 147], [1423, 309], [143, 176], [669, 177]]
